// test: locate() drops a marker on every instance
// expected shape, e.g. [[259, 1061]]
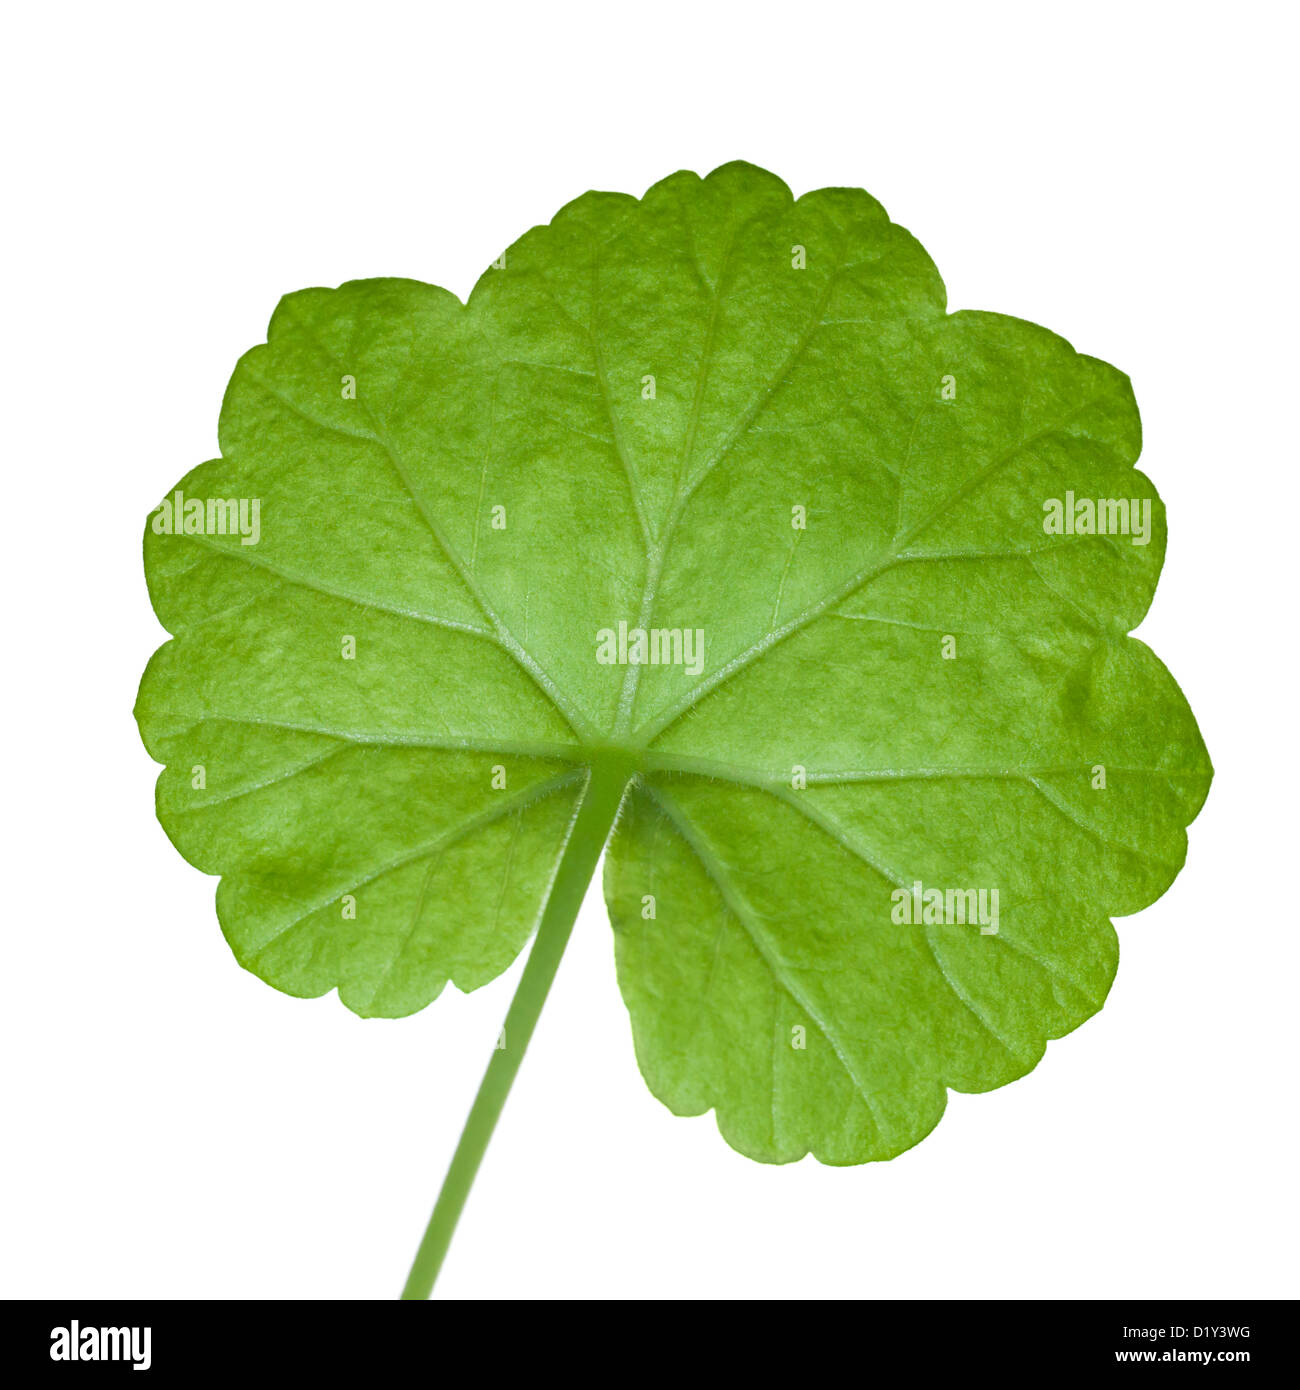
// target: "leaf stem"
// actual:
[[597, 812]]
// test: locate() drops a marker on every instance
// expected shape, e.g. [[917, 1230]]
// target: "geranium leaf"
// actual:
[[704, 494]]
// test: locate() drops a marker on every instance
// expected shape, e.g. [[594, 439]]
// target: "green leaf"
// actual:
[[715, 411]]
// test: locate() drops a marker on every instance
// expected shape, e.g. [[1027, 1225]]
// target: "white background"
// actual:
[[172, 1126]]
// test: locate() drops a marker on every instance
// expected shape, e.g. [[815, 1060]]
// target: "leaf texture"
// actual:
[[720, 413]]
